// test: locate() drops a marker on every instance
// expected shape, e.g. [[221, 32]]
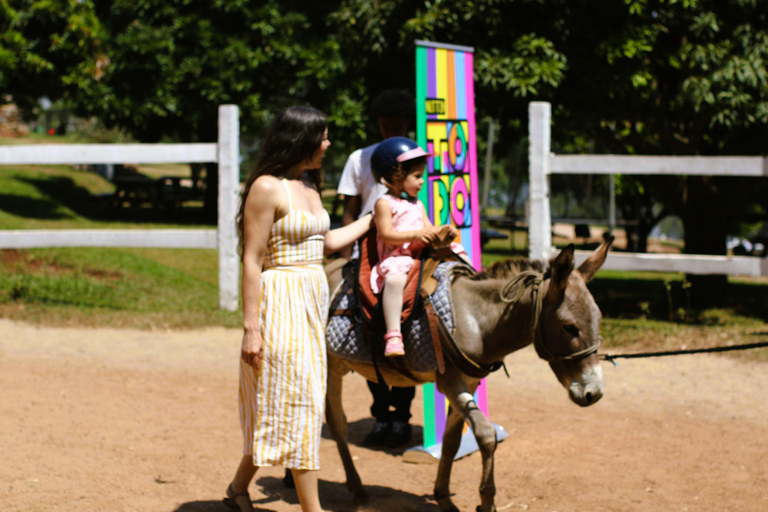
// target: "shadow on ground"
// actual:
[[667, 298], [32, 208], [357, 430], [62, 193], [334, 496]]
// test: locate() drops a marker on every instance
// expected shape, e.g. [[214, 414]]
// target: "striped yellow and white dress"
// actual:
[[282, 403]]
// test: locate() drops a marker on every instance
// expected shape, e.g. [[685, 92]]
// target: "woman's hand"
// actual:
[[252, 351]]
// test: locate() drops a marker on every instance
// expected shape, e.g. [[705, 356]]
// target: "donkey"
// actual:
[[552, 308]]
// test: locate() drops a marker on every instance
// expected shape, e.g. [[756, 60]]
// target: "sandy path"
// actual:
[[147, 421]]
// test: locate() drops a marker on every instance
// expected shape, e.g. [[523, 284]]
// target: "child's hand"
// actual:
[[450, 230], [426, 235]]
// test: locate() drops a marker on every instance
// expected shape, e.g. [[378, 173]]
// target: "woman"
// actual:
[[284, 235]]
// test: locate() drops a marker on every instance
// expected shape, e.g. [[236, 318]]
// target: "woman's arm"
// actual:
[[260, 208], [337, 239]]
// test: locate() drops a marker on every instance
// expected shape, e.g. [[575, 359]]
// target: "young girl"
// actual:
[[399, 164]]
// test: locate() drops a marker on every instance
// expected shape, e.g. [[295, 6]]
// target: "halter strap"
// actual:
[[521, 281], [535, 279]]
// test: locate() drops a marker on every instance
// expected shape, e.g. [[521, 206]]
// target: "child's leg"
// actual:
[[392, 301]]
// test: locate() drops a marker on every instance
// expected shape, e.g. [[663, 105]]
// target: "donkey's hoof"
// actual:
[[480, 508]]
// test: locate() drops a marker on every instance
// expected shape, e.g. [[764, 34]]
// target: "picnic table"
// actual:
[[138, 190]]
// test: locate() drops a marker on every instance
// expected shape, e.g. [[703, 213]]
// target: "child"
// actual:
[[399, 164]]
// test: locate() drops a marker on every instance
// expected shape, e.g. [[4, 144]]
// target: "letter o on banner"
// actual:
[[460, 203], [457, 146]]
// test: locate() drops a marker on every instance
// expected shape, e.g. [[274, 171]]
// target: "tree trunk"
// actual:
[[706, 228], [211, 197]]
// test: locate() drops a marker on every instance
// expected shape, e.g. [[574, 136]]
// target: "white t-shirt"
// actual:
[[357, 180]]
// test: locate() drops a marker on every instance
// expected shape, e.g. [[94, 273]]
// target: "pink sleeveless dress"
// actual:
[[396, 259]]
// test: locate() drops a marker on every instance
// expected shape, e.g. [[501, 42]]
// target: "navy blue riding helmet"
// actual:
[[390, 153]]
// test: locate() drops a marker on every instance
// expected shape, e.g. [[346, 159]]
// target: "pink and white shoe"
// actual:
[[394, 346]]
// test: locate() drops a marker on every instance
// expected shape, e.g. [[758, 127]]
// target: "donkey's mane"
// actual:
[[511, 267]]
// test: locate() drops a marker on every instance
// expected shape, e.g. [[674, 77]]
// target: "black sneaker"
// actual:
[[378, 433], [399, 434]]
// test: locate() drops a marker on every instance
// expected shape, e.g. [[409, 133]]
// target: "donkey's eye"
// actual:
[[572, 330]]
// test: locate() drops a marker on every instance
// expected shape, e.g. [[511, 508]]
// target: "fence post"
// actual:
[[229, 180], [540, 220]]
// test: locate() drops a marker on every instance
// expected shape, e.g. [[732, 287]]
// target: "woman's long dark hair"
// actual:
[[294, 135]]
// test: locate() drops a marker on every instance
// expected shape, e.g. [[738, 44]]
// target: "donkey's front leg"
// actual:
[[454, 424], [486, 441], [337, 424]]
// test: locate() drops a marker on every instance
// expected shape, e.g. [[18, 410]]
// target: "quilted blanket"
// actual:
[[345, 337]]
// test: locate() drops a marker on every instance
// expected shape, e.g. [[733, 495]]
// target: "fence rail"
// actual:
[[226, 152], [667, 165], [73, 154], [163, 238], [688, 263], [543, 163]]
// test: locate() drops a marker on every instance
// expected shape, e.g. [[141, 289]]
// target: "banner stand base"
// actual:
[[431, 454]]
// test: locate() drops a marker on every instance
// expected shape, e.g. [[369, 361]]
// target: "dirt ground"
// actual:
[[147, 421]]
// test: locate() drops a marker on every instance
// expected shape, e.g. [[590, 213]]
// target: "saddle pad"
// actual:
[[345, 337]]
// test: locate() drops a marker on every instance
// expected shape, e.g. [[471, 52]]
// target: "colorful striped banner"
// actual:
[[445, 127]]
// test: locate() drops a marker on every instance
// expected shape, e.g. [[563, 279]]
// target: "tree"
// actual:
[[48, 48], [512, 63], [172, 63], [675, 78], [661, 77]]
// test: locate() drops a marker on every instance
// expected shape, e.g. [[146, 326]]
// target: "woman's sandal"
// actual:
[[394, 346], [231, 499]]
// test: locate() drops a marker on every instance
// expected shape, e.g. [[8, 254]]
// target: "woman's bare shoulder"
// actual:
[[266, 189], [266, 183]]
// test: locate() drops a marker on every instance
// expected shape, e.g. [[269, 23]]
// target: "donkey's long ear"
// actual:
[[592, 264], [562, 266]]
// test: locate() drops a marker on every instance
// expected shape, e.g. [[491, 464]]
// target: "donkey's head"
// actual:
[[569, 327]]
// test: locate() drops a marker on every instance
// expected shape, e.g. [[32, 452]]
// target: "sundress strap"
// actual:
[[290, 196]]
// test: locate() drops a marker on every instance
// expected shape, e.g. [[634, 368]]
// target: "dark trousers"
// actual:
[[385, 397]]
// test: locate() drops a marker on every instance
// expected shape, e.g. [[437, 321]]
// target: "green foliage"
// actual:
[[532, 64], [665, 77], [49, 48], [173, 63]]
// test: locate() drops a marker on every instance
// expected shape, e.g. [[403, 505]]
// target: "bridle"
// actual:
[[520, 281], [536, 279], [549, 357]]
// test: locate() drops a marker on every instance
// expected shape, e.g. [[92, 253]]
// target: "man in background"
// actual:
[[394, 110]]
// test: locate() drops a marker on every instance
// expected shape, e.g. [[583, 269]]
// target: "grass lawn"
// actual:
[[175, 288], [146, 288]]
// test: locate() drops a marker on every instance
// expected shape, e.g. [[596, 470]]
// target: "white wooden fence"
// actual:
[[543, 163], [225, 153]]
